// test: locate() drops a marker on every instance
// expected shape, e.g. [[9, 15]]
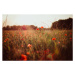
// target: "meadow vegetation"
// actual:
[[37, 44]]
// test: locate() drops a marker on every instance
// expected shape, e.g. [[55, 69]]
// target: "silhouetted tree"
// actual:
[[63, 24]]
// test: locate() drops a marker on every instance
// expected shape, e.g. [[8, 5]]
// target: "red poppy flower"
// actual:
[[32, 51], [65, 34], [43, 33], [39, 36], [70, 38], [59, 42], [27, 53], [4, 40], [37, 29], [22, 39], [7, 39], [29, 45], [23, 57], [70, 33], [19, 33], [53, 38], [21, 45], [48, 50], [13, 35], [37, 51], [41, 26], [45, 52]]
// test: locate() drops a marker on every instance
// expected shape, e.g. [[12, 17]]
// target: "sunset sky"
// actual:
[[37, 20]]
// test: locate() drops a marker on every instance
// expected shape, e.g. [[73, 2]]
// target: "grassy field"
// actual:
[[37, 45]]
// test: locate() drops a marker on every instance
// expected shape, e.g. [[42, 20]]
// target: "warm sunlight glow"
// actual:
[[37, 20]]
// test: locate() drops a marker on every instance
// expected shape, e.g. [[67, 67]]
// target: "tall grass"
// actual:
[[44, 44]]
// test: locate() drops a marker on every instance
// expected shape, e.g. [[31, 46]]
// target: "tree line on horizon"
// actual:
[[60, 24], [63, 24], [23, 27]]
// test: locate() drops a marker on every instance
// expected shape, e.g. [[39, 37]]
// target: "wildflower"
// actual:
[[59, 42], [22, 39], [22, 45], [23, 57], [48, 50], [27, 53], [37, 51], [4, 40], [13, 35], [41, 26], [7, 39], [32, 51], [65, 34], [39, 35], [70, 38], [70, 33], [37, 29], [19, 33], [29, 45], [53, 38], [45, 51]]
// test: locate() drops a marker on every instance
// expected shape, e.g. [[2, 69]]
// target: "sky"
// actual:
[[38, 20]]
